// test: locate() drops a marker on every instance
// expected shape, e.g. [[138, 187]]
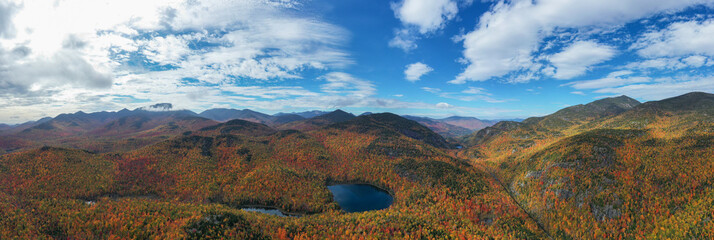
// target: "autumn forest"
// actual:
[[614, 168]]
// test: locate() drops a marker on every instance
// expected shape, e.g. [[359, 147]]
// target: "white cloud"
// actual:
[[576, 59], [443, 105], [610, 81], [668, 63], [7, 10], [508, 35], [422, 17], [678, 39], [346, 84], [269, 92], [431, 90], [476, 90], [169, 50], [63, 69], [403, 39], [695, 61], [663, 88], [577, 93], [427, 15], [415, 71], [106, 48], [468, 95]]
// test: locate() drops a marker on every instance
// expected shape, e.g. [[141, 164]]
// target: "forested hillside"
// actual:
[[610, 169]]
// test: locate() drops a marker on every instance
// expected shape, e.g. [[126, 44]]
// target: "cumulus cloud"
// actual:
[[415, 71], [444, 105], [421, 17], [678, 39], [507, 36], [426, 15], [575, 60]]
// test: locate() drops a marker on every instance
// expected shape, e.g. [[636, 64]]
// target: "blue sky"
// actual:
[[488, 59]]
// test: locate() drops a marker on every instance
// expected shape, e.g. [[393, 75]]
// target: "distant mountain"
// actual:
[[22, 126], [103, 131], [471, 123], [4, 126], [283, 119], [581, 115], [307, 114], [440, 127], [487, 133], [394, 123], [578, 114], [494, 121], [319, 121], [223, 114], [695, 108], [366, 113], [152, 123], [335, 116], [237, 127], [687, 102]]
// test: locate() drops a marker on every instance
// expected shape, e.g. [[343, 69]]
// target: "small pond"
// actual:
[[360, 197]]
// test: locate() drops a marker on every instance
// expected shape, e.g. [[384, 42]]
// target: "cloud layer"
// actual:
[[509, 37]]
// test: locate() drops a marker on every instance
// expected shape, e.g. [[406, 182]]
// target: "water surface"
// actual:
[[360, 197]]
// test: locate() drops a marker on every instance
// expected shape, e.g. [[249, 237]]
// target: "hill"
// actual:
[[388, 124], [318, 121], [237, 127], [578, 114], [609, 169]]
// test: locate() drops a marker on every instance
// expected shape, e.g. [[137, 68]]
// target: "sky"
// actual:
[[487, 59]]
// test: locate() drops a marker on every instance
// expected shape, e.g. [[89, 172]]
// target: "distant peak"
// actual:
[[621, 101], [697, 94], [689, 101]]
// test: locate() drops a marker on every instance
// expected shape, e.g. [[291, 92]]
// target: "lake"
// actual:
[[360, 197]]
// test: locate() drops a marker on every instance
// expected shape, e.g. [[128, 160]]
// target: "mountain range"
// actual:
[[159, 121], [614, 168]]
